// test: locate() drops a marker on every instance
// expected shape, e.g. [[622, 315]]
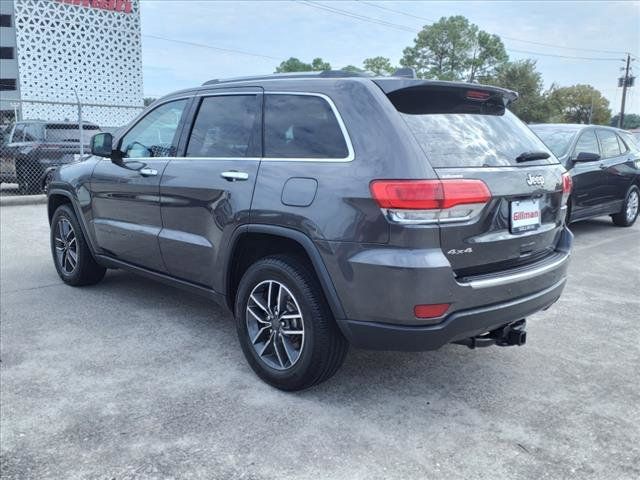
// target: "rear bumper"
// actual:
[[459, 325], [382, 284]]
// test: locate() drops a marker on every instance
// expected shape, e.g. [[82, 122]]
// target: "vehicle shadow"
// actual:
[[593, 225], [365, 375]]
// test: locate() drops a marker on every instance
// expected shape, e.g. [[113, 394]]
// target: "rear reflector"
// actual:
[[430, 311], [428, 201]]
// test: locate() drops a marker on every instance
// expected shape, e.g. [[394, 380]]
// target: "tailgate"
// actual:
[[470, 138], [519, 225]]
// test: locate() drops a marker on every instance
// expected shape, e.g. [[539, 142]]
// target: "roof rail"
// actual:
[[317, 74]]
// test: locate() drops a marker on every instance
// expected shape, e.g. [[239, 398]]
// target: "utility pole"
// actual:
[[625, 82]]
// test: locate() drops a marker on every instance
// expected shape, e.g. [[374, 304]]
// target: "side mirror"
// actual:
[[587, 157], [102, 145]]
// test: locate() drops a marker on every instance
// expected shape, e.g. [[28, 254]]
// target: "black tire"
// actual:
[[86, 271], [628, 215], [323, 347]]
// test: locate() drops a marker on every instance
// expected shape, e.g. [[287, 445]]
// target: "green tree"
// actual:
[[631, 120], [454, 49], [523, 77], [487, 54], [319, 65], [578, 103], [379, 65], [148, 101], [296, 65]]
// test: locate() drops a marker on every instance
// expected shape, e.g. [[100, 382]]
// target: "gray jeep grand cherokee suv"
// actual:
[[326, 210]]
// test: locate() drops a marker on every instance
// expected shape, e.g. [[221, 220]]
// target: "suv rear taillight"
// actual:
[[567, 185], [430, 201]]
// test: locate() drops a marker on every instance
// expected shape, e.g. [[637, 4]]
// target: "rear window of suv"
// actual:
[[494, 137]]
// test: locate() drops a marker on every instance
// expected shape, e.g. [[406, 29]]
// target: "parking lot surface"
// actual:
[[132, 379]]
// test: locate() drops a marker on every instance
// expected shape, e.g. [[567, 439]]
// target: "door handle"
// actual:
[[235, 176], [603, 167], [148, 172]]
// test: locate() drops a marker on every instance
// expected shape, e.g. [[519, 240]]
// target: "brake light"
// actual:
[[428, 201], [567, 183], [477, 95], [430, 311]]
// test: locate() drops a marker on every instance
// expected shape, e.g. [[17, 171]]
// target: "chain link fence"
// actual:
[[48, 135]]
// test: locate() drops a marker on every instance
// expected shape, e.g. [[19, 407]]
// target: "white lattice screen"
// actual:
[[64, 46]]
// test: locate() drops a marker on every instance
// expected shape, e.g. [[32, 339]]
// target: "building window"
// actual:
[[5, 20], [6, 53], [7, 83]]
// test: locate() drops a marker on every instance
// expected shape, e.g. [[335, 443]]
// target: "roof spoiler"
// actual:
[[393, 85]]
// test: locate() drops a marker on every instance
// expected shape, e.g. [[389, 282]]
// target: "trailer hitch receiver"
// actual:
[[509, 335]]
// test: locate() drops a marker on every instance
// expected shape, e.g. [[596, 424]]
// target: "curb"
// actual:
[[7, 201]]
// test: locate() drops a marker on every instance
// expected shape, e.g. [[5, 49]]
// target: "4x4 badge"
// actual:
[[455, 251], [533, 180]]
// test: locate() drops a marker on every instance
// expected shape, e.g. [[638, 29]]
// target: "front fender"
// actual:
[[72, 184]]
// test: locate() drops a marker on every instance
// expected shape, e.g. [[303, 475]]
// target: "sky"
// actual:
[[253, 37]]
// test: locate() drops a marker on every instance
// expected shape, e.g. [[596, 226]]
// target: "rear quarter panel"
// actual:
[[342, 209]]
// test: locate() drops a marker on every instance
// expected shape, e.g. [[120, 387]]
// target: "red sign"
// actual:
[[123, 6]]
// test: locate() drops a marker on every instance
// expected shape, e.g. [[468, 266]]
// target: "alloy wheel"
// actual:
[[632, 206], [275, 325], [66, 246]]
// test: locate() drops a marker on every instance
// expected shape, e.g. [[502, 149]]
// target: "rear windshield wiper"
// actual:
[[531, 156]]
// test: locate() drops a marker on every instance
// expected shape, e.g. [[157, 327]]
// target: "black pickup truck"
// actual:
[[31, 147]]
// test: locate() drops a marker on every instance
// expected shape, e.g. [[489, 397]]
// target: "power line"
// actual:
[[503, 36], [397, 11], [562, 56], [407, 28], [357, 16], [212, 47]]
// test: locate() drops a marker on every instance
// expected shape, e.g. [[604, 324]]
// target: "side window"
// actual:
[[302, 126], [587, 143], [609, 143], [155, 135], [226, 126], [631, 143], [18, 133], [624, 147], [32, 133]]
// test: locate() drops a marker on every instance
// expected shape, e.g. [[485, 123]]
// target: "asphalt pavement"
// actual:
[[131, 379]]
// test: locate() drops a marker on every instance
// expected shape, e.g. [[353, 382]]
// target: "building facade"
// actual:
[[56, 52]]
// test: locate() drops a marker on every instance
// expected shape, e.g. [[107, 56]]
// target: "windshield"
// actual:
[[557, 139], [475, 140], [69, 133]]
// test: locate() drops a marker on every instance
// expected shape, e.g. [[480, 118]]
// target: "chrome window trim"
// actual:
[[345, 134]]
